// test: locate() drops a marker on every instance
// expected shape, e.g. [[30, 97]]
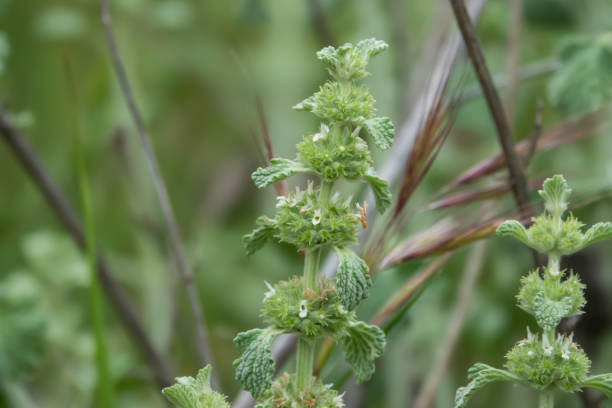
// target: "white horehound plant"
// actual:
[[547, 361], [315, 219]]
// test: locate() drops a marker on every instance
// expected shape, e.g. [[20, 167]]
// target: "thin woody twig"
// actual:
[[514, 57], [160, 188], [320, 23], [515, 168], [68, 218]]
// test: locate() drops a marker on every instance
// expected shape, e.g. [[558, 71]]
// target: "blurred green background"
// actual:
[[196, 69]]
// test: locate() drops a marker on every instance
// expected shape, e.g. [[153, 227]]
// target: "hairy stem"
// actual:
[[547, 399], [306, 345]]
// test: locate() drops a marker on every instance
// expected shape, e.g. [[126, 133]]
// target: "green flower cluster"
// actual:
[[284, 393], [541, 363], [313, 313], [303, 221], [547, 361]]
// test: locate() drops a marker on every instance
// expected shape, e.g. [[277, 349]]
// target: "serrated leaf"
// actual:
[[371, 47], [328, 55], [513, 228], [602, 382], [189, 392], [583, 82], [548, 313], [380, 188], [260, 235], [353, 278], [255, 368], [480, 375], [382, 131], [278, 170], [598, 232], [555, 193], [362, 344]]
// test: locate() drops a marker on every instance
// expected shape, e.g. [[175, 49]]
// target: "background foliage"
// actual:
[[196, 68]]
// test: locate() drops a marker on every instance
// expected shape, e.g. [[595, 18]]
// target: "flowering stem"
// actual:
[[547, 399]]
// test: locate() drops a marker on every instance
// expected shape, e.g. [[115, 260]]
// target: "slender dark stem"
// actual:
[[320, 23], [515, 168], [68, 218], [160, 188]]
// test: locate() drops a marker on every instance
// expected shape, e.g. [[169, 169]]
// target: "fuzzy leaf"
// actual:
[[382, 131], [328, 56], [255, 368], [555, 193], [371, 47], [480, 375], [256, 239], [278, 170], [549, 313], [583, 82], [598, 232], [353, 278], [603, 382], [362, 344], [380, 188], [515, 229], [189, 392]]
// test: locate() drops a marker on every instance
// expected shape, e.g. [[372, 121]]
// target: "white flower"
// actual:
[[271, 292], [281, 201], [317, 137], [317, 217], [565, 355], [341, 148], [530, 353], [303, 309]]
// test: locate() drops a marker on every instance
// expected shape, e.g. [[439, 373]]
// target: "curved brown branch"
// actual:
[[68, 218]]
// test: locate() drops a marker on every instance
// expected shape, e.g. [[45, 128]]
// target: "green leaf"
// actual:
[[549, 313], [362, 344], [555, 193], [583, 82], [603, 382], [513, 228], [353, 278], [371, 47], [255, 368], [380, 188], [189, 392], [23, 325], [328, 56], [257, 239], [480, 375], [382, 131], [598, 232], [278, 170]]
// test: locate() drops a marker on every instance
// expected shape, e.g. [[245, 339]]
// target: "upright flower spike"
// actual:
[[547, 361], [314, 219]]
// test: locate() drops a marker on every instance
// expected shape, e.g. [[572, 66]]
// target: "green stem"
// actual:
[[547, 399], [306, 345]]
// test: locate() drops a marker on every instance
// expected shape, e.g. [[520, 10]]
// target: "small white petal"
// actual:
[[317, 217], [303, 310]]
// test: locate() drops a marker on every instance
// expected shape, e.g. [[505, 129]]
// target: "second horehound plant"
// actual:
[[547, 361], [314, 220]]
